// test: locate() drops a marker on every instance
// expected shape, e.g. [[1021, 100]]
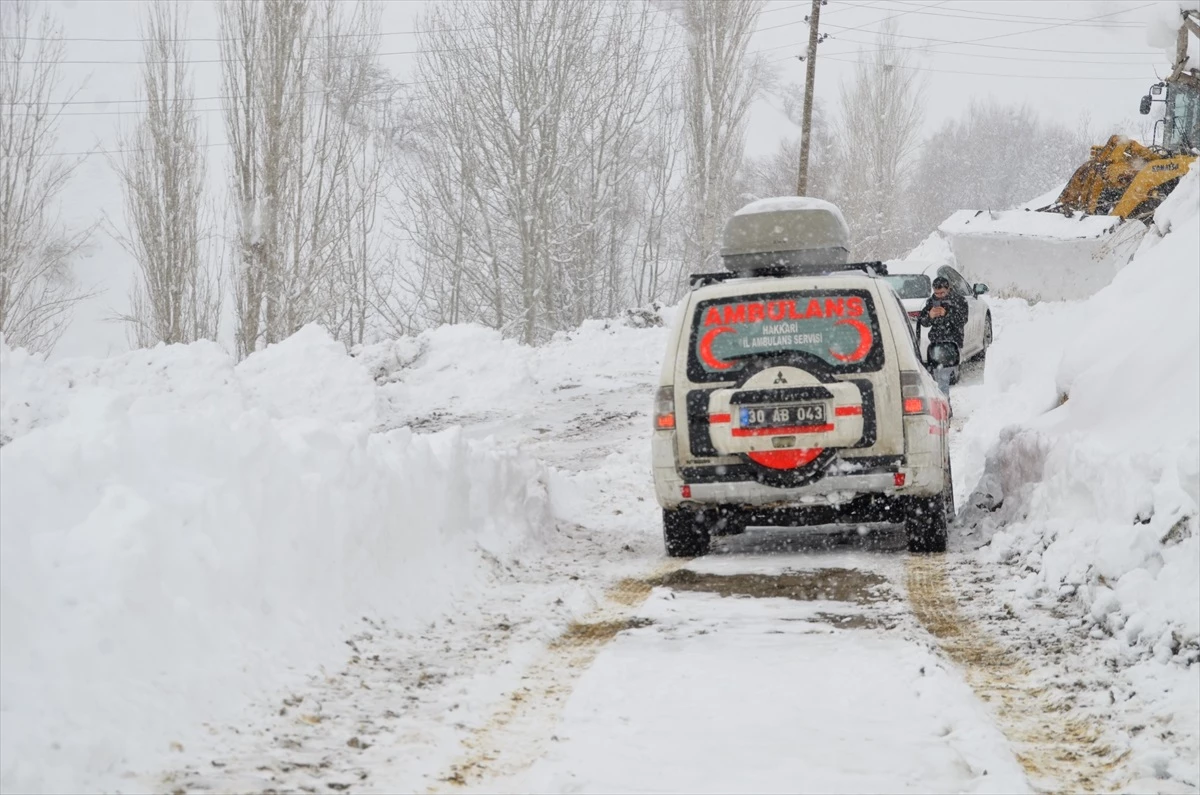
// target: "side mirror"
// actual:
[[944, 354], [1144, 107], [1157, 89], [980, 289]]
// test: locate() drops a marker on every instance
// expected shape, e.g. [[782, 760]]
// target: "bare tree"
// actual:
[[263, 96], [522, 199], [177, 297], [774, 174], [631, 73], [37, 289], [264, 62], [302, 83], [877, 138], [720, 86], [660, 264], [342, 183]]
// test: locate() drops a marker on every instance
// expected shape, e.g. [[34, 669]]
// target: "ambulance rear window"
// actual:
[[831, 330], [910, 286]]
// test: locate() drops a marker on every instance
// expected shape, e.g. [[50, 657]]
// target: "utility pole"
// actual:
[[810, 79]]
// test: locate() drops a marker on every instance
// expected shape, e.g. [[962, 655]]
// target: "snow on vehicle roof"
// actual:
[[778, 204], [911, 267], [1028, 223], [771, 284]]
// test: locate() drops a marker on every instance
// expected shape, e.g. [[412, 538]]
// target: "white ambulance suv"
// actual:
[[792, 392]]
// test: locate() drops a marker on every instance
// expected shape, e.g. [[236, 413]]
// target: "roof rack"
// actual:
[[782, 271]]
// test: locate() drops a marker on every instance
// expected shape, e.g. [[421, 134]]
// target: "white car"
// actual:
[[913, 282], [792, 393]]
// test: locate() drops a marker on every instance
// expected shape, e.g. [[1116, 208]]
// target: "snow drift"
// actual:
[[179, 534], [1046, 256], [1096, 499], [432, 379]]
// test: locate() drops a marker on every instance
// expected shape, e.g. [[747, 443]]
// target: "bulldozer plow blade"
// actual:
[[1041, 255]]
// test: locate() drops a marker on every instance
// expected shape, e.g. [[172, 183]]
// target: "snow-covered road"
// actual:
[[752, 672], [437, 566], [786, 661]]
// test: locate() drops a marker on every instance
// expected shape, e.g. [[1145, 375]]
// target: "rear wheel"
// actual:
[[686, 533], [925, 524], [927, 518], [725, 521]]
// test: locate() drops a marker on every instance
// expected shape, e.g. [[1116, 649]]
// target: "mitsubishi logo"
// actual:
[[779, 379]]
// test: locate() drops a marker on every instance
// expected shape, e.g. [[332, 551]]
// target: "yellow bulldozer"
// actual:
[[1074, 246], [1125, 178]]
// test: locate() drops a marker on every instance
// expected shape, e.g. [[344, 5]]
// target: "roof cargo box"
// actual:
[[785, 232]]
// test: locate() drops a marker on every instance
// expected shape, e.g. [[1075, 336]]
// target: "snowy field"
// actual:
[[437, 565]]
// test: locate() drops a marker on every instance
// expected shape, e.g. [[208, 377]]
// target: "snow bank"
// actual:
[[1028, 223], [1097, 498], [1041, 256], [1019, 380], [179, 535], [433, 379]]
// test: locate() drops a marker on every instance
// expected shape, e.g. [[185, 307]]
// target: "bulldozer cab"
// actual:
[[1179, 128]]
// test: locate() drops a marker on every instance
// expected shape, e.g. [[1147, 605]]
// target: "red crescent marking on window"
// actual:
[[705, 348], [864, 341]]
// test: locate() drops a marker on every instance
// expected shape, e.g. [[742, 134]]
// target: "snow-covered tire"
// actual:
[[685, 533], [927, 519], [925, 524]]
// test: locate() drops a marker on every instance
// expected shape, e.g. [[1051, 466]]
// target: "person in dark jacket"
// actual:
[[945, 315]]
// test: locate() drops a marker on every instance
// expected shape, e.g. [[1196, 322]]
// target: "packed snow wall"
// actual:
[[1096, 498], [180, 533], [1040, 256]]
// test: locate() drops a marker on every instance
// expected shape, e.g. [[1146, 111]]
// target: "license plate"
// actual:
[[783, 416]]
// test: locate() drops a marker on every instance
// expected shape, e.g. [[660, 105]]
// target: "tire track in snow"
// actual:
[[1059, 753], [517, 733]]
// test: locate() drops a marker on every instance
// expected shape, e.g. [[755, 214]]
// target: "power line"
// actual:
[[96, 40], [355, 55], [1057, 25], [815, 37], [1026, 59], [91, 152], [1022, 49], [832, 56], [220, 39], [319, 91], [196, 61], [1016, 19], [893, 16], [1016, 33], [298, 93], [779, 60], [976, 42], [995, 74]]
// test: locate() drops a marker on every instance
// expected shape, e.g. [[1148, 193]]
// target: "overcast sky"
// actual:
[[1067, 58]]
